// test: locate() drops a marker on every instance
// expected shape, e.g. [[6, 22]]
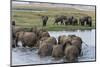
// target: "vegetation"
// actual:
[[29, 16]]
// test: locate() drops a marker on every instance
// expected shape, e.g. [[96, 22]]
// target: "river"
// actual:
[[23, 56]]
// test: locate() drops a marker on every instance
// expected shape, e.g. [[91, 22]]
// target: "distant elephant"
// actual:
[[86, 20], [57, 51], [45, 49], [74, 21], [44, 19], [71, 53], [69, 20], [13, 23], [60, 19], [42, 33]]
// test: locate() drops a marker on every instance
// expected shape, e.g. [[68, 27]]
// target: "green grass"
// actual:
[[30, 19]]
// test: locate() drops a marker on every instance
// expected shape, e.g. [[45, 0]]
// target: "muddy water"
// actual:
[[24, 56]]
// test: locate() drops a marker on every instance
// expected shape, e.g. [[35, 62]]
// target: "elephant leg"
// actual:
[[16, 41], [44, 23], [82, 23], [23, 44], [61, 22], [90, 24]]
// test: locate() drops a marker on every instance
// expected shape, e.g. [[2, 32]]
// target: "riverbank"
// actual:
[[29, 15]]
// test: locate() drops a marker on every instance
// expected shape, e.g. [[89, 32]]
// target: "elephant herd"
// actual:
[[69, 20], [68, 47]]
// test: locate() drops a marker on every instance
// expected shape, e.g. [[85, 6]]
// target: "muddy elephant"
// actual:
[[50, 40], [63, 39], [46, 46], [86, 20], [77, 41], [57, 51], [71, 53], [45, 49], [27, 38], [59, 19], [44, 20]]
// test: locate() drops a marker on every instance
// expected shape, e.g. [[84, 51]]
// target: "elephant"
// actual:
[[13, 32], [45, 49], [77, 41], [59, 19], [46, 46], [51, 40], [13, 43], [74, 21], [44, 19], [44, 34], [57, 51], [39, 42], [87, 20], [60, 39], [27, 38], [13, 23], [71, 53], [63, 39], [69, 20]]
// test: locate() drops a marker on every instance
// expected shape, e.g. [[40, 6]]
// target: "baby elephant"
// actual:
[[57, 51]]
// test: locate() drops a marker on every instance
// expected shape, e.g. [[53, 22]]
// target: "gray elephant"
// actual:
[[46, 46], [68, 20], [28, 38], [71, 53], [50, 40], [44, 19], [42, 33], [86, 20], [57, 51], [45, 49], [77, 41], [63, 39], [60, 19], [74, 21]]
